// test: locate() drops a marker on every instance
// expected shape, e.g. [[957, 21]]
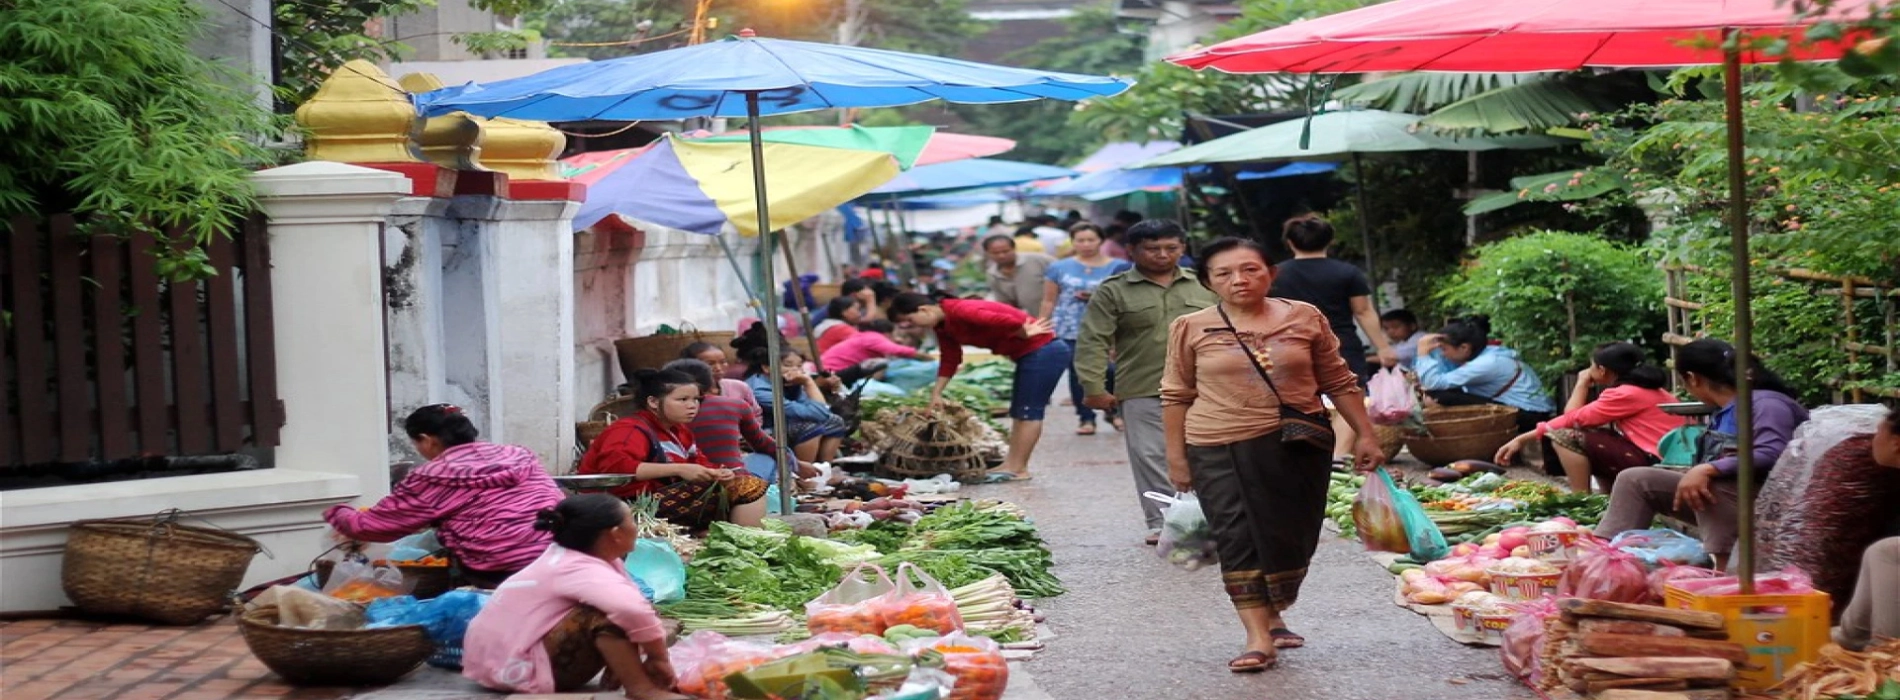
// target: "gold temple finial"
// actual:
[[360, 115], [453, 140], [525, 150]]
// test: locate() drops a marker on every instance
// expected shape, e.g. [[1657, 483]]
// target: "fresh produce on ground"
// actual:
[[1873, 674], [727, 619], [759, 566], [1605, 572], [978, 664], [966, 543], [990, 608], [1523, 565], [648, 525]]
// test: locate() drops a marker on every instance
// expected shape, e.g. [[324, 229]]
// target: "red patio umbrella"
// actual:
[[1552, 35]]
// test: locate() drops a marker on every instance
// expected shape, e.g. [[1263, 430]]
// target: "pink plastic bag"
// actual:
[[1522, 650], [1672, 574], [702, 661], [1391, 394], [1606, 572], [1789, 581]]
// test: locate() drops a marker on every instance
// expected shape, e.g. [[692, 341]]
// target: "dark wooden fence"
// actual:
[[104, 360]]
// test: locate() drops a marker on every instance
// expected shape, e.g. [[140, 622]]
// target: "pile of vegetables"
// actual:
[[1477, 508], [962, 544], [768, 567]]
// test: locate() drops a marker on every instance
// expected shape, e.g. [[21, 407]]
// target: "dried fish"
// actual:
[[1839, 672]]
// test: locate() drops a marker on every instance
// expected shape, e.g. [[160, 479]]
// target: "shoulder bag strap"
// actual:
[[1512, 383], [1244, 350]]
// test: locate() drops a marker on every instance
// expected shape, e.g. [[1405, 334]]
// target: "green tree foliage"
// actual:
[[589, 28], [1555, 296], [1164, 92], [1093, 42], [106, 112], [316, 36], [923, 26]]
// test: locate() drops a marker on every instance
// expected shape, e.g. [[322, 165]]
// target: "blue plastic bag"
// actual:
[[911, 375], [657, 566], [445, 617], [414, 547], [1655, 547]]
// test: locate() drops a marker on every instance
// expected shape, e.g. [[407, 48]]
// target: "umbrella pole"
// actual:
[[751, 297], [768, 287], [799, 301], [1365, 214], [1744, 316]]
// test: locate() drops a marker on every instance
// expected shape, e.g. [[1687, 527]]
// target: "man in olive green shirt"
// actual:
[[1128, 319]]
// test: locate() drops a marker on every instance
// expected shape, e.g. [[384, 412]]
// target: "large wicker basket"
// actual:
[[654, 351], [1459, 421], [1391, 440], [922, 446], [153, 568], [334, 657], [602, 415], [1438, 451]]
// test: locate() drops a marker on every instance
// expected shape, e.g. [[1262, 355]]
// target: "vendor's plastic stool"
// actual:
[[1780, 631]]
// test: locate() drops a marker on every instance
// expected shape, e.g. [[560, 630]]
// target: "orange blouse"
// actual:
[[1227, 402]]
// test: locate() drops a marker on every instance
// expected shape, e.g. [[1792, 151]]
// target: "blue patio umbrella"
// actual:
[[1114, 181], [751, 77]]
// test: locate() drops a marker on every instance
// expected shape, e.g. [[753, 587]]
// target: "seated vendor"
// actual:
[[814, 432], [871, 343], [1706, 493], [1874, 611], [480, 498], [715, 358], [573, 613], [725, 425], [842, 317], [1458, 366], [1616, 430], [655, 445]]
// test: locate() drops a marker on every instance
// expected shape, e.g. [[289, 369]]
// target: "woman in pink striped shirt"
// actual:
[[1617, 431], [480, 498], [873, 342]]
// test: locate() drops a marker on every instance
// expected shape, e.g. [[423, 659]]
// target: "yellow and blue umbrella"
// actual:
[[701, 186]]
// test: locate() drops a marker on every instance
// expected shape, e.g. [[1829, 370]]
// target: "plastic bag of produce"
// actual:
[[1790, 581], [1674, 574], [1392, 399], [307, 609], [855, 606], [1186, 538], [1606, 572], [656, 564], [1390, 519], [445, 617], [702, 661], [921, 684], [1523, 645], [1657, 546], [977, 663], [1787, 507], [360, 581], [920, 601]]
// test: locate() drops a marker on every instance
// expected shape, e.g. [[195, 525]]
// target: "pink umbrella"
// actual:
[[1548, 35]]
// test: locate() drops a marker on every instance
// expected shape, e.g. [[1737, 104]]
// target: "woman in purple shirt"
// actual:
[[1706, 493]]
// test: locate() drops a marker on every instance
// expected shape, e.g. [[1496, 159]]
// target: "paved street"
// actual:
[[1132, 626]]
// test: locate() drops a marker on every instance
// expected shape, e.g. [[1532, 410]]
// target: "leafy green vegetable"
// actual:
[[963, 544], [883, 535], [757, 566]]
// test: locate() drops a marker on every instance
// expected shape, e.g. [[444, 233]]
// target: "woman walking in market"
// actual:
[[655, 445], [1002, 329], [1068, 285], [1617, 430], [1247, 433]]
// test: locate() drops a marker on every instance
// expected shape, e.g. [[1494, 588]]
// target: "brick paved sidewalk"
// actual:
[[78, 660]]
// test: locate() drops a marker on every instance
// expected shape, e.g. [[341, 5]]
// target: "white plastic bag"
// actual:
[[1392, 397], [360, 581], [855, 606], [1186, 538]]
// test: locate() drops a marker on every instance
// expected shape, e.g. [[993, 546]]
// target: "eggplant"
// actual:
[[1474, 466], [1446, 475]]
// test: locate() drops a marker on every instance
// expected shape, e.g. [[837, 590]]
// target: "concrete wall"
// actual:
[[237, 33]]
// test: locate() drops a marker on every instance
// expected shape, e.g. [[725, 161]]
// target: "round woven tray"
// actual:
[[921, 447], [1438, 451], [1458, 421], [153, 569], [334, 657]]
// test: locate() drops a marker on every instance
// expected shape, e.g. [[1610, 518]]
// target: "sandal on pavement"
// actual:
[[1153, 538], [1118, 423], [1085, 429], [1005, 477], [1284, 638], [1252, 662]]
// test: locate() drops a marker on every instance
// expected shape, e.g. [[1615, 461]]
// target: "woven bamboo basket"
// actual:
[[654, 351], [602, 415], [153, 568], [1459, 421], [334, 657], [823, 292], [1391, 440], [1439, 451], [922, 446]]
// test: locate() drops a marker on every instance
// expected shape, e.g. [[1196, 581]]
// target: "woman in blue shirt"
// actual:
[[1066, 288], [1459, 366]]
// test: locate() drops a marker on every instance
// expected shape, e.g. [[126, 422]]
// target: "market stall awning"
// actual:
[[1289, 170], [701, 187], [1123, 153], [1114, 181], [1334, 136], [967, 174]]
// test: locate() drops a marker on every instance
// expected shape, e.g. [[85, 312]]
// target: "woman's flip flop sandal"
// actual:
[[1004, 477], [1284, 638], [1252, 662]]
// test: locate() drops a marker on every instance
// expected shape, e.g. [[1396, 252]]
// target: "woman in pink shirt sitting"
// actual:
[[573, 613], [1617, 431], [872, 343]]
